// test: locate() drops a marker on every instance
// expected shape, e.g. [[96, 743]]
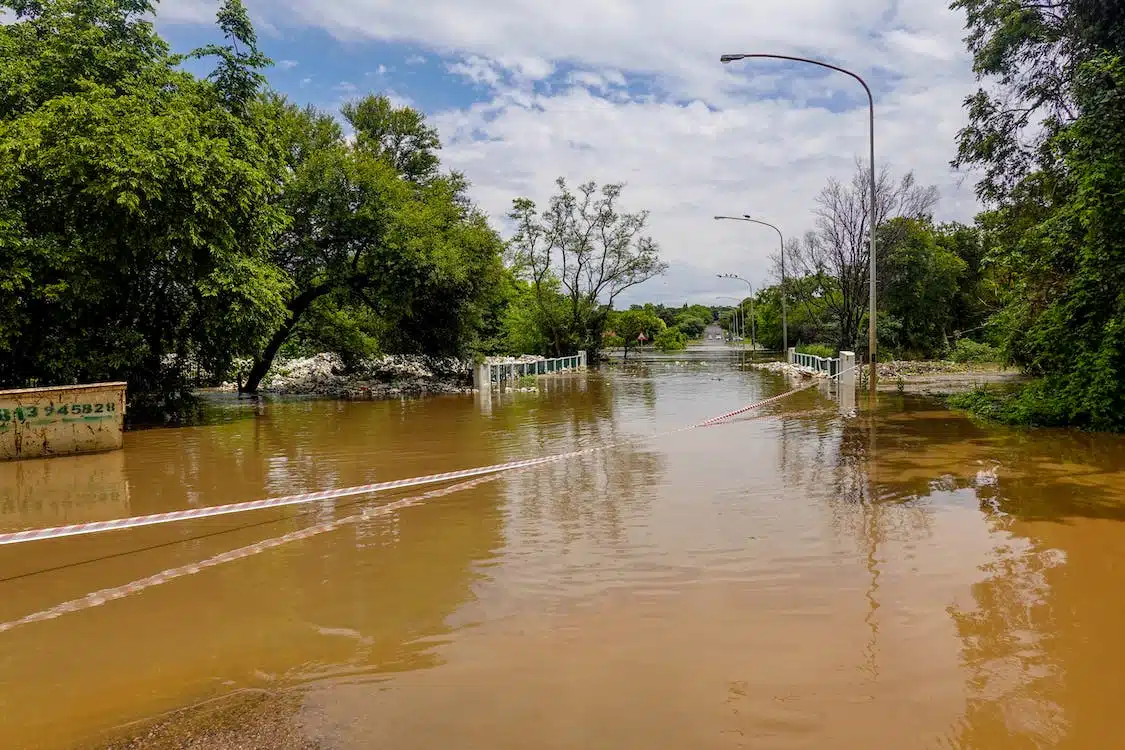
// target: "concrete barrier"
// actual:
[[61, 420]]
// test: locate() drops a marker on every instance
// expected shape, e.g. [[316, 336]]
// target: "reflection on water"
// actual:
[[821, 576], [64, 490]]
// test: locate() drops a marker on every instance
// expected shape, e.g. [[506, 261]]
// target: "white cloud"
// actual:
[[706, 138], [415, 60], [287, 64], [187, 11], [688, 162]]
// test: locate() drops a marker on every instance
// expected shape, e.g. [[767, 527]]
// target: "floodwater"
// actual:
[[806, 576]]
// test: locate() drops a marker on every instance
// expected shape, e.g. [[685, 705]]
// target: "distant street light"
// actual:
[[753, 320], [871, 344], [734, 328], [784, 316]]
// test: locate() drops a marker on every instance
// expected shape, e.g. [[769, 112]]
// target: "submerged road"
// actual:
[[795, 579]]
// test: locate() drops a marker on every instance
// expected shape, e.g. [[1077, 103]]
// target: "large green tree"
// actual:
[[1049, 131], [921, 280], [595, 252], [375, 225], [137, 204]]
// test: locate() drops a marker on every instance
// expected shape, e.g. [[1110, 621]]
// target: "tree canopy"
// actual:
[[593, 252], [1049, 130], [153, 222]]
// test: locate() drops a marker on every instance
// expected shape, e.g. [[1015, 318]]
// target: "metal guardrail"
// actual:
[[828, 365], [505, 373]]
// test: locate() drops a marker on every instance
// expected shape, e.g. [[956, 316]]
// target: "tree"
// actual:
[[593, 250], [1049, 134], [1033, 51], [630, 325], [237, 77], [670, 340], [398, 135], [408, 245], [136, 209], [837, 253], [691, 323], [921, 280], [979, 294]]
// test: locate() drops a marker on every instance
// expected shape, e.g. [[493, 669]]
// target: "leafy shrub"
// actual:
[[968, 350], [670, 340], [817, 350], [1033, 405]]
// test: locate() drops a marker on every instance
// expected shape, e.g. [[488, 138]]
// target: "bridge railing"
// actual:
[[828, 365], [489, 374]]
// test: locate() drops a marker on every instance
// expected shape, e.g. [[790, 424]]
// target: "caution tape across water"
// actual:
[[102, 596], [119, 524]]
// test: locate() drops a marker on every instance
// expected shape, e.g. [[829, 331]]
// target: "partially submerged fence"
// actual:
[[842, 365], [488, 374], [828, 365]]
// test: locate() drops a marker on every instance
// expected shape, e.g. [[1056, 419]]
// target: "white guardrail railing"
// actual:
[[828, 365], [489, 374]]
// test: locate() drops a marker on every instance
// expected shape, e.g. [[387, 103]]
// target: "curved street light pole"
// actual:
[[871, 344], [781, 237], [753, 320]]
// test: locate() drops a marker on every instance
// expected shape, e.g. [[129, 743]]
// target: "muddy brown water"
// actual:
[[807, 579]]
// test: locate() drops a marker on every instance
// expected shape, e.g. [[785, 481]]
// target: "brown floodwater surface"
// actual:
[[807, 576]]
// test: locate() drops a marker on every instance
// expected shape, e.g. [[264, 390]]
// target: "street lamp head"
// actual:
[[747, 216], [730, 58]]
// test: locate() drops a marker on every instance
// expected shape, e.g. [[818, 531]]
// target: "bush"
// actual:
[[817, 350], [1033, 405], [967, 351], [670, 340], [692, 326]]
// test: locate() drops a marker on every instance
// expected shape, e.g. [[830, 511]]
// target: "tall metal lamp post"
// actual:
[[781, 237], [871, 344]]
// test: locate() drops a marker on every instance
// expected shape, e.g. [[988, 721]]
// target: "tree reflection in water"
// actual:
[[1041, 635]]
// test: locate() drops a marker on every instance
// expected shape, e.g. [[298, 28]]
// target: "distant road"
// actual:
[[713, 336]]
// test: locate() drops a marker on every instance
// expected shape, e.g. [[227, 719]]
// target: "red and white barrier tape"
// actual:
[[97, 598], [94, 527]]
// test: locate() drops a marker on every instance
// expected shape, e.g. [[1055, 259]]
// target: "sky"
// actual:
[[632, 91]]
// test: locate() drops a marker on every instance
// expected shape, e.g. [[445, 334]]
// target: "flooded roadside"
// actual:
[[902, 578]]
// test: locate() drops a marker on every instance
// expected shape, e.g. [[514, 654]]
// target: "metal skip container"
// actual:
[[61, 420]]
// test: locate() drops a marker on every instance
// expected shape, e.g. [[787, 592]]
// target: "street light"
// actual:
[[753, 320], [734, 325], [871, 345], [784, 317]]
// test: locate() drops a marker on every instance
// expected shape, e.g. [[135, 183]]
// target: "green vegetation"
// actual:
[[576, 257], [630, 325], [1036, 280], [1049, 133], [670, 340], [817, 350], [158, 227], [973, 352]]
